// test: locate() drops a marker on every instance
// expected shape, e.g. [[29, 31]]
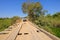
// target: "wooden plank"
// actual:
[[14, 33]]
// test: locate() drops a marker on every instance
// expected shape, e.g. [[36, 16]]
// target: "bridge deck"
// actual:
[[33, 33], [26, 31]]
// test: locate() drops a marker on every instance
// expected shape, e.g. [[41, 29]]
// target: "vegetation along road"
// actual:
[[25, 31]]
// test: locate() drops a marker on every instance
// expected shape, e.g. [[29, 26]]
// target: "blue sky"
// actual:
[[10, 8]]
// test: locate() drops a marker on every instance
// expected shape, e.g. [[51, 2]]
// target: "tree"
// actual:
[[56, 15], [33, 10]]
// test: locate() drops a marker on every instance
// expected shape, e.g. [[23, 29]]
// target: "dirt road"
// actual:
[[29, 32]]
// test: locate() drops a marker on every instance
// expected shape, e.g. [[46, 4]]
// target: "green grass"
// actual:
[[56, 31], [4, 23], [53, 30]]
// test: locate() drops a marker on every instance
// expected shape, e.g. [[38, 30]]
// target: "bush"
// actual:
[[50, 23], [6, 22]]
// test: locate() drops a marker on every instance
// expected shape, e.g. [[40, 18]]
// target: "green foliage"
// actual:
[[56, 15], [32, 9], [50, 23], [6, 22], [54, 30]]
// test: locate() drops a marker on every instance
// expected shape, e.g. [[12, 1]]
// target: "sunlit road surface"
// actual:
[[10, 33], [32, 33]]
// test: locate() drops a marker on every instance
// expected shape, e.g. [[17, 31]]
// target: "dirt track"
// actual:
[[32, 33], [26, 31]]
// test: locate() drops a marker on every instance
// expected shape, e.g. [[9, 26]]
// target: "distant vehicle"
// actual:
[[24, 20]]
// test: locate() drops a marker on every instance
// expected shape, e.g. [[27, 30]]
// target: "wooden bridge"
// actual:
[[26, 31]]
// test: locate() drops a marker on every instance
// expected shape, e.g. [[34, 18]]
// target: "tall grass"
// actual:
[[6, 22], [50, 23]]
